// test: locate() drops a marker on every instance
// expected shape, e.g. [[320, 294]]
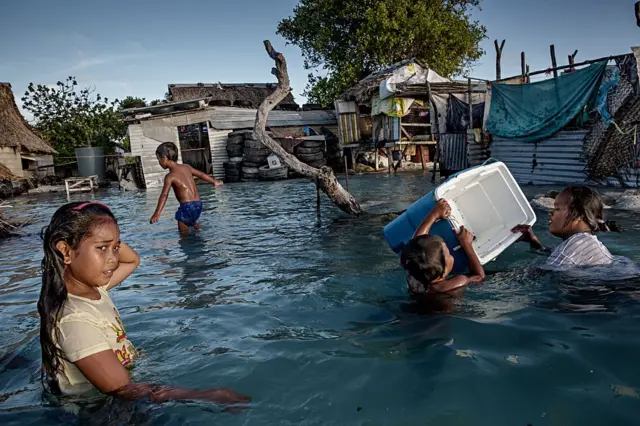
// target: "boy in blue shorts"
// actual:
[[180, 178]]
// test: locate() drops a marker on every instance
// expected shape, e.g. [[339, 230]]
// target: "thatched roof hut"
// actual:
[[15, 132], [252, 92]]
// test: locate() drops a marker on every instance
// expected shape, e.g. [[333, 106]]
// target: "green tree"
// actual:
[[350, 39], [69, 117], [132, 102]]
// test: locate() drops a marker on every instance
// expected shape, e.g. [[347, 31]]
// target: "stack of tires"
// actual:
[[235, 148], [254, 156], [312, 153]]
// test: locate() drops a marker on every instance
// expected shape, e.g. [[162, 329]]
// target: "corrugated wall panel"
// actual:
[[453, 151], [557, 160], [218, 143]]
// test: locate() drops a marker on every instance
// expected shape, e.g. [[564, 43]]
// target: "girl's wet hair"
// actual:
[[586, 204], [71, 223], [423, 257]]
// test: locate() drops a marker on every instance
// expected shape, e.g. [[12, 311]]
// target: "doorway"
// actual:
[[194, 146]]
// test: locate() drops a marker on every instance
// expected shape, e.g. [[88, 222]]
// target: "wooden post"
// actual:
[[318, 199], [572, 59], [498, 57], [528, 79], [389, 160], [346, 173], [421, 157], [523, 65], [554, 64], [375, 159]]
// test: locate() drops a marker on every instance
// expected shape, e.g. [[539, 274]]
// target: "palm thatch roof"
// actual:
[[15, 132], [252, 92]]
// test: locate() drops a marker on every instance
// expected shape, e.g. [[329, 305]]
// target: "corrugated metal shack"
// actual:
[[411, 109], [597, 150], [200, 131]]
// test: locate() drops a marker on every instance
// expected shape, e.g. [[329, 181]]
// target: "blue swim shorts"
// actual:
[[189, 213]]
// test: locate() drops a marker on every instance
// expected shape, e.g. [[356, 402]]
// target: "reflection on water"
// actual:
[[313, 320]]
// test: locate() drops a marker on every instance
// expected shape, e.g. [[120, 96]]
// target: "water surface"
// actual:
[[313, 321]]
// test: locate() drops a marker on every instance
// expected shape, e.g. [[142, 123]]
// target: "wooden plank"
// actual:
[[416, 125]]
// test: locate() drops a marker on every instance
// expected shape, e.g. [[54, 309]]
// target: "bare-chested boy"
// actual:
[[180, 178]]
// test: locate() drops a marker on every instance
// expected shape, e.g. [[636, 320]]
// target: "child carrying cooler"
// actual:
[[428, 261]]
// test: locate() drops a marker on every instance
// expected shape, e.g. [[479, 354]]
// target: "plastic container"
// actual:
[[485, 199], [91, 161]]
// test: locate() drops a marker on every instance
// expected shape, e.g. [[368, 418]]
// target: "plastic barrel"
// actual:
[[401, 230], [91, 161]]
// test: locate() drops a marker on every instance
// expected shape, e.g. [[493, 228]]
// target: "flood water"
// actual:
[[314, 323]]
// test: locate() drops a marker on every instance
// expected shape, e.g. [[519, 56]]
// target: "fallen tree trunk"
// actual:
[[323, 177]]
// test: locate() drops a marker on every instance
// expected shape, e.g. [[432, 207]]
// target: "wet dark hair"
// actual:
[[71, 223], [168, 150], [586, 204], [423, 257]]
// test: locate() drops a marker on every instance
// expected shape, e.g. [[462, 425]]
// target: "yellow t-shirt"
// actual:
[[86, 328]]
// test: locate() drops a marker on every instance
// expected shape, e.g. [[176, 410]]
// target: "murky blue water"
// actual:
[[314, 321]]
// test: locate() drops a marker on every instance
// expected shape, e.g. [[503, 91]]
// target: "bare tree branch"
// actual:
[[323, 177]]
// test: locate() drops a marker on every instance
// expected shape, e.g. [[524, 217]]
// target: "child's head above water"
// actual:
[[166, 151], [577, 209], [80, 248], [427, 259]]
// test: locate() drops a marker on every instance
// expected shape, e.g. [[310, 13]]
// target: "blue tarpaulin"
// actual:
[[536, 111]]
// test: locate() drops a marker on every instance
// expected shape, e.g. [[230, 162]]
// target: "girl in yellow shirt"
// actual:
[[84, 343]]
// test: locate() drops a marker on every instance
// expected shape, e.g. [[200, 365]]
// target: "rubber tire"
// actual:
[[307, 158], [306, 151], [251, 144], [235, 140], [278, 173], [318, 164], [251, 164], [312, 144], [234, 153], [219, 102], [243, 104]]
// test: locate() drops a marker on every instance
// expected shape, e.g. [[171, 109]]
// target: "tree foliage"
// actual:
[[69, 117], [132, 102], [350, 39]]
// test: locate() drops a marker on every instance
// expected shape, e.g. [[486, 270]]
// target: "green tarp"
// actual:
[[536, 111]]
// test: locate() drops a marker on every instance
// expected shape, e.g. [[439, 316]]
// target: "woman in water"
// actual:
[[84, 343], [578, 213]]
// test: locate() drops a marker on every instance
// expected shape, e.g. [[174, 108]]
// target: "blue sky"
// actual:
[[138, 47]]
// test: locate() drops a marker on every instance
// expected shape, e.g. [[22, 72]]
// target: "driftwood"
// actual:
[[323, 177]]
